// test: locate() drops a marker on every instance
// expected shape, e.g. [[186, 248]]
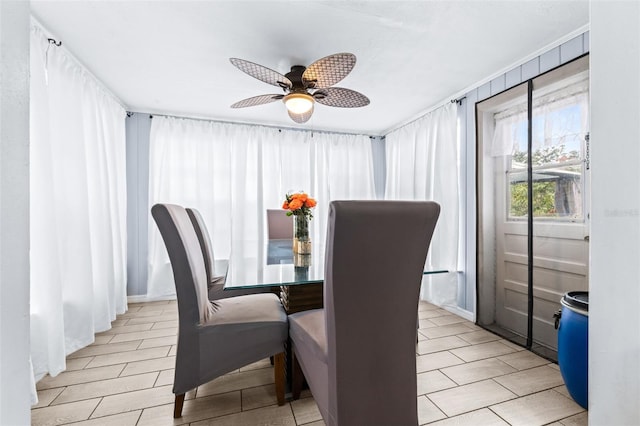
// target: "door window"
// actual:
[[559, 127]]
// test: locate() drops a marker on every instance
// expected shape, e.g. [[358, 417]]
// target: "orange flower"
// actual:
[[299, 203], [295, 204], [299, 196]]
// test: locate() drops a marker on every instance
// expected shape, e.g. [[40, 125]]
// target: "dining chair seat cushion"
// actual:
[[247, 310], [241, 330], [309, 330]]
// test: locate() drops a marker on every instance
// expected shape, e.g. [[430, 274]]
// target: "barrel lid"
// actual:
[[577, 299]]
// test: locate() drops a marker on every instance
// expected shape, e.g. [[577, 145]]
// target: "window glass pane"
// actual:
[[558, 130], [557, 193]]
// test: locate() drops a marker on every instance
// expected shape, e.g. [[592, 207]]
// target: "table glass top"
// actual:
[[277, 265]]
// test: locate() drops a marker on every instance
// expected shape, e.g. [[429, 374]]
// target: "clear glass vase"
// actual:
[[301, 240]]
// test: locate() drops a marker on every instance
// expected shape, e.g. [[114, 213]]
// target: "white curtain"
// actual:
[[423, 163], [232, 173], [560, 117], [78, 207]]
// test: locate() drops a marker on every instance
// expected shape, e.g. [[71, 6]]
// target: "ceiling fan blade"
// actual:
[[265, 74], [329, 70], [257, 100], [342, 98], [301, 118]]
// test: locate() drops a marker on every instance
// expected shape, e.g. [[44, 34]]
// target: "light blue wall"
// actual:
[[138, 126], [379, 164]]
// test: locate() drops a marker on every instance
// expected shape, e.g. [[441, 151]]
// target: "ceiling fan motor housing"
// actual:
[[295, 76]]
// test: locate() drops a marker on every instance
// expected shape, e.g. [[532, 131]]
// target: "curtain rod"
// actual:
[[423, 114], [47, 34], [279, 128]]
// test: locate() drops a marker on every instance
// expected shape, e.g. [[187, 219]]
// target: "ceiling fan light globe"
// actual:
[[298, 103]]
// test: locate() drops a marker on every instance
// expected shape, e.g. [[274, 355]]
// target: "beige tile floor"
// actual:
[[466, 376]]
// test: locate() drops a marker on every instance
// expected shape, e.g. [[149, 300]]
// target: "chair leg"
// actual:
[[280, 376], [297, 378], [177, 408]]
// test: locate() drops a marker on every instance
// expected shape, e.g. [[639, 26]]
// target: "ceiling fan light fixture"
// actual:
[[298, 103]]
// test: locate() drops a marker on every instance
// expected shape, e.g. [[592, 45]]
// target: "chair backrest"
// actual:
[[279, 225], [205, 241], [374, 261], [187, 263]]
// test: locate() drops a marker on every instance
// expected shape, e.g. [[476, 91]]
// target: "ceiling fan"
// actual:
[[303, 86]]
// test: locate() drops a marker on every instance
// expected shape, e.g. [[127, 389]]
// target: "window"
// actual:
[[559, 124]]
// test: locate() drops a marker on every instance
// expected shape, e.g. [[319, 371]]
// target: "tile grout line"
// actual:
[[536, 393], [437, 408], [94, 409], [498, 415]]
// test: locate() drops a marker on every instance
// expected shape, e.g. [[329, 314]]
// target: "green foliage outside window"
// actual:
[[544, 193], [543, 199]]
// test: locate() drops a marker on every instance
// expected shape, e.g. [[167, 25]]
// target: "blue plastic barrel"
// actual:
[[573, 344]]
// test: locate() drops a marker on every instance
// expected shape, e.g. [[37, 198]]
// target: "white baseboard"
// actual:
[[469, 316], [144, 298]]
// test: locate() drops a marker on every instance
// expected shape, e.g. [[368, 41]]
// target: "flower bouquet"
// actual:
[[299, 206]]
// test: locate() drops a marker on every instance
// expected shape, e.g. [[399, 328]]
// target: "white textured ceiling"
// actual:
[[172, 57]]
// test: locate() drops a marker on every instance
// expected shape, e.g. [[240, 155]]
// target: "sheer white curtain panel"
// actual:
[[78, 207], [423, 163], [232, 173], [560, 117]]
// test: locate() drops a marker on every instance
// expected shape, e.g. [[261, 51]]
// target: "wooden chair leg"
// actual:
[[297, 377], [177, 408], [280, 376]]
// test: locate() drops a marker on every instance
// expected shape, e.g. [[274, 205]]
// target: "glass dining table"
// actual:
[[296, 278]]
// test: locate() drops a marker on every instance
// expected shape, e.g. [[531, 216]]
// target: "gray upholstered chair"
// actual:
[[358, 354], [242, 329], [207, 248], [215, 282], [279, 225]]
